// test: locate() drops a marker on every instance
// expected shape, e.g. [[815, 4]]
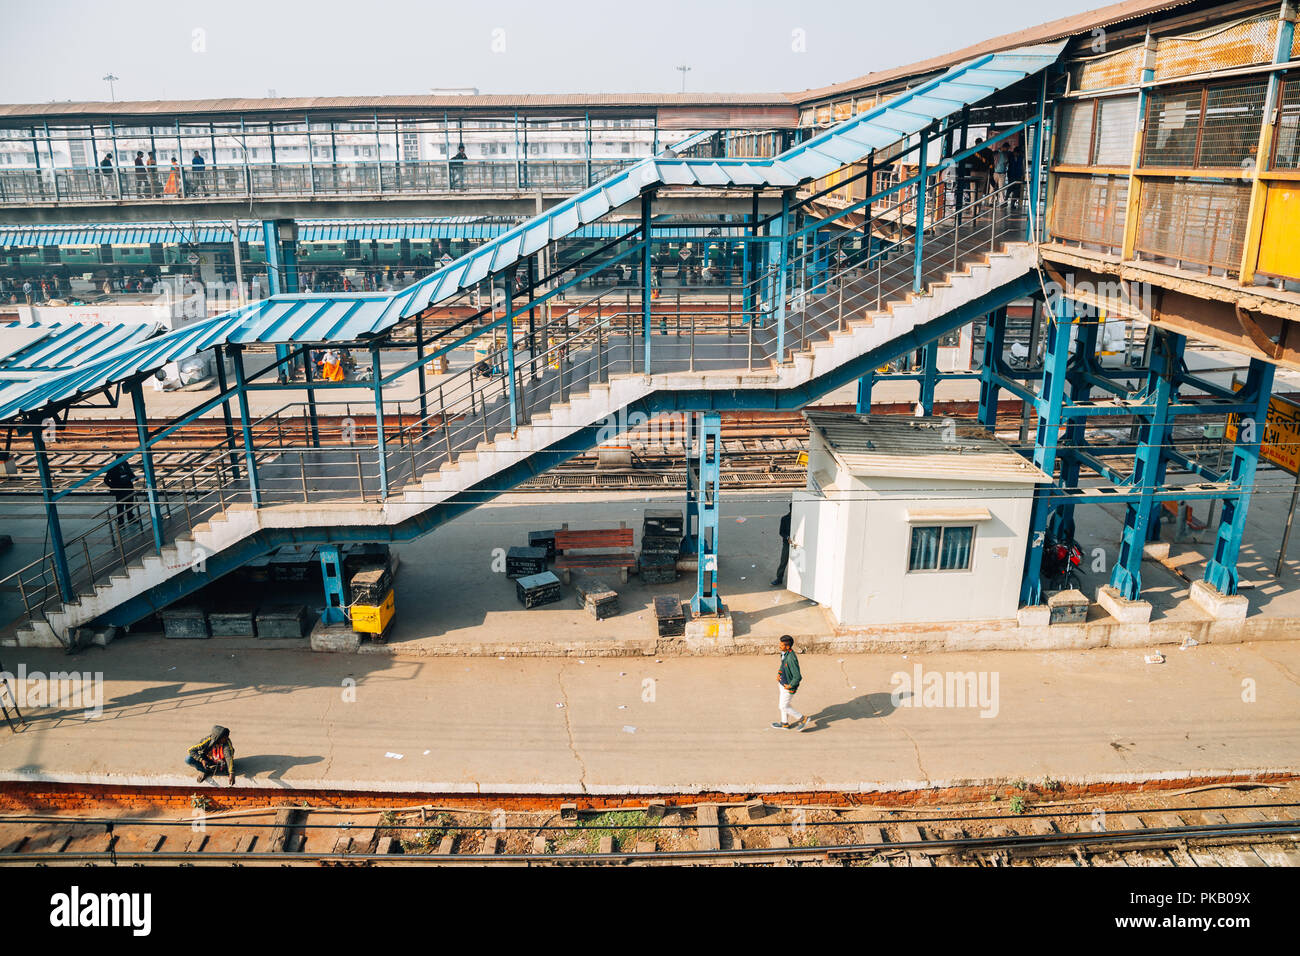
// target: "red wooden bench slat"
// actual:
[[596, 538], [606, 560]]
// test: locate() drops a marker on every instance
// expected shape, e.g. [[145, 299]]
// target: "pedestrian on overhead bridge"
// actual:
[[789, 678], [213, 754]]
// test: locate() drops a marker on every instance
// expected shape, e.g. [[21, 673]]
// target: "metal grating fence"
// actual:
[[1090, 210], [1245, 43], [1194, 222], [1286, 152], [1121, 68], [1204, 126]]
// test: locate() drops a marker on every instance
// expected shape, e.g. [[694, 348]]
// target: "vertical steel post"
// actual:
[[1126, 576], [918, 251], [331, 567], [646, 274], [865, 384], [995, 333], [1050, 403], [1034, 228], [245, 424], [706, 599], [1221, 570], [57, 550], [782, 265], [146, 461], [419, 373], [510, 353], [929, 376], [312, 417], [380, 440], [225, 413]]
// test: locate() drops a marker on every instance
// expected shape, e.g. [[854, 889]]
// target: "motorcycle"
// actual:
[[1061, 561]]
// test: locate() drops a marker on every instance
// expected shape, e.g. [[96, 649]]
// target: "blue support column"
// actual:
[[146, 462], [995, 334], [690, 529], [782, 248], [706, 599], [245, 418], [331, 570], [281, 271], [1171, 355], [227, 418], [58, 552], [918, 252], [1033, 171], [647, 275], [1221, 570], [380, 441], [929, 376], [864, 393], [1050, 405], [1126, 576], [510, 354], [1075, 429]]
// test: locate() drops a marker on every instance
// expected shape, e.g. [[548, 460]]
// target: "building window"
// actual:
[[940, 548]]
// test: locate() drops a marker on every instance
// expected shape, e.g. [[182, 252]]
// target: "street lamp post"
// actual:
[[683, 70], [111, 79]]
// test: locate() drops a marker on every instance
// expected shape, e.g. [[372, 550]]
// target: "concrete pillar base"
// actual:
[[1156, 551], [708, 627], [1121, 609], [336, 638], [1068, 607], [1221, 607], [1035, 615]]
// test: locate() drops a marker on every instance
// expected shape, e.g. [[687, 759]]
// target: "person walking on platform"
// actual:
[[213, 754], [789, 678], [779, 580]]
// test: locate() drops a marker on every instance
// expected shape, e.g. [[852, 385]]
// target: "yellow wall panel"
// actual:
[[1279, 246]]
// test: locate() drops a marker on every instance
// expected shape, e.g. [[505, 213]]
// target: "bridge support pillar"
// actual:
[[146, 463], [1148, 466], [280, 239], [225, 413], [995, 336], [245, 418], [1050, 405], [58, 553], [708, 487], [865, 383], [929, 376], [331, 567], [1221, 570], [381, 443]]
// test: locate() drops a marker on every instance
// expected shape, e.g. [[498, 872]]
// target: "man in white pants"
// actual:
[[788, 677]]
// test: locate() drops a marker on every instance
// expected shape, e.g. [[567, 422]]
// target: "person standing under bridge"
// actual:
[[784, 529]]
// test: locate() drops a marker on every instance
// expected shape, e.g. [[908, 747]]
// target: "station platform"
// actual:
[[645, 725]]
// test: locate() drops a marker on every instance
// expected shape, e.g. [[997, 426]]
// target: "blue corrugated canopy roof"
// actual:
[[343, 317], [31, 349]]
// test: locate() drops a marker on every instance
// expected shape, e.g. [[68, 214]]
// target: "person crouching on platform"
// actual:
[[213, 754]]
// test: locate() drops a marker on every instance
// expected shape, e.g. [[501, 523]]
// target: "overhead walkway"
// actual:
[[822, 304]]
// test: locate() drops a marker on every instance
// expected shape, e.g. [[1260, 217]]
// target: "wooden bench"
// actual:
[[593, 550]]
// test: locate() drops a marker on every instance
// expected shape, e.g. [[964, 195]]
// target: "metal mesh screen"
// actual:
[[1193, 221], [1172, 125], [1075, 133], [1286, 154], [1230, 134], [1090, 209], [1221, 48], [1116, 127], [1214, 127], [1121, 68]]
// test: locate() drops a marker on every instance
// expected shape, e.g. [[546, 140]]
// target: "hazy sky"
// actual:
[[60, 49]]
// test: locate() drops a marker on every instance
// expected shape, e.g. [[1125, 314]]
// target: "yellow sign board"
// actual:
[[1281, 438]]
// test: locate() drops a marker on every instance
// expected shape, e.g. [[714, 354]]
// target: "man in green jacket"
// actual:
[[788, 677]]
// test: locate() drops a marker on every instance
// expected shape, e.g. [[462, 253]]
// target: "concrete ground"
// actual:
[[671, 725]]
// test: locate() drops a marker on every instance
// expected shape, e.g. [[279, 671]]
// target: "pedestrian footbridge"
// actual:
[[825, 297]]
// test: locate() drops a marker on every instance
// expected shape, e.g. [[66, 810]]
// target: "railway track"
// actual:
[[1255, 835]]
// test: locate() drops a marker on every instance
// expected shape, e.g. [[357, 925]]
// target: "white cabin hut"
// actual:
[[910, 520]]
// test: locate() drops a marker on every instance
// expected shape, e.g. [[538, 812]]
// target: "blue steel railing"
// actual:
[[266, 180]]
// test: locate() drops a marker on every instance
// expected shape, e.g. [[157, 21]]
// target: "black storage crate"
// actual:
[[670, 615], [537, 589], [543, 539], [522, 562], [282, 620], [663, 521], [597, 598], [668, 543], [185, 623], [370, 586], [658, 567], [231, 623]]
